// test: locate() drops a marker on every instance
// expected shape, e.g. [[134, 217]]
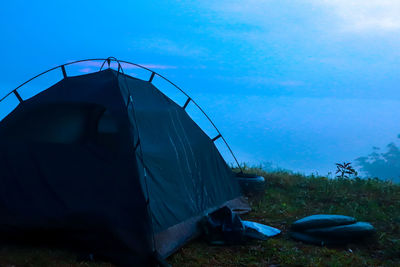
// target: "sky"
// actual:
[[298, 84]]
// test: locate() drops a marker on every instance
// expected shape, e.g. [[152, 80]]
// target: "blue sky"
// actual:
[[302, 84]]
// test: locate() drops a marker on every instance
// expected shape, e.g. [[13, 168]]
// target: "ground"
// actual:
[[288, 197]]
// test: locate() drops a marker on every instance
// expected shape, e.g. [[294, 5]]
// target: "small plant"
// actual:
[[345, 170]]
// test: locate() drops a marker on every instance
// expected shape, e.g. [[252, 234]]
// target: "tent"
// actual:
[[108, 164]]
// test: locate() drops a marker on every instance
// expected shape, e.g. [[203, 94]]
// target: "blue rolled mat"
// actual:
[[349, 231], [320, 221], [315, 240], [327, 229]]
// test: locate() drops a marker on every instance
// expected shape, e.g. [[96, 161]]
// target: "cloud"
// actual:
[[86, 70], [365, 15], [91, 66], [337, 15], [157, 66], [170, 47], [261, 80], [290, 83]]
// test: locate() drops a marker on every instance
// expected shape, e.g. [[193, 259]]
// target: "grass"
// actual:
[[16, 256], [288, 197]]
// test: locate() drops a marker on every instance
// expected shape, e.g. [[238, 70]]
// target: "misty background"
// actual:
[[298, 85]]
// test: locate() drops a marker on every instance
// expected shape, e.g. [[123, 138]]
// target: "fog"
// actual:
[[298, 85]]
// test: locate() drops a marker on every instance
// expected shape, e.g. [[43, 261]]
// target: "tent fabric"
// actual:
[[77, 193], [105, 161], [178, 157]]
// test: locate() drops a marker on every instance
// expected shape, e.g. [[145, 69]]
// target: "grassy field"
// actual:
[[288, 197]]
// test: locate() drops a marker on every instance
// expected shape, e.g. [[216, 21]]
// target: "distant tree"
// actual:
[[345, 170], [384, 165]]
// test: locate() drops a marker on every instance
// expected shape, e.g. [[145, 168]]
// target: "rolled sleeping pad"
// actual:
[[316, 240], [321, 221], [349, 231], [332, 235]]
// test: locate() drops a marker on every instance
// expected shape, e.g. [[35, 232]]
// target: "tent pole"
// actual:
[[216, 138], [152, 77], [18, 96], [108, 60], [187, 103], [63, 71]]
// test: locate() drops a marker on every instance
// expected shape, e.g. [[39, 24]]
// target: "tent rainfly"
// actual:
[[107, 164]]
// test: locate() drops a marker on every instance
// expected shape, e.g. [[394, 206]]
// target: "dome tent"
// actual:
[[108, 164]]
